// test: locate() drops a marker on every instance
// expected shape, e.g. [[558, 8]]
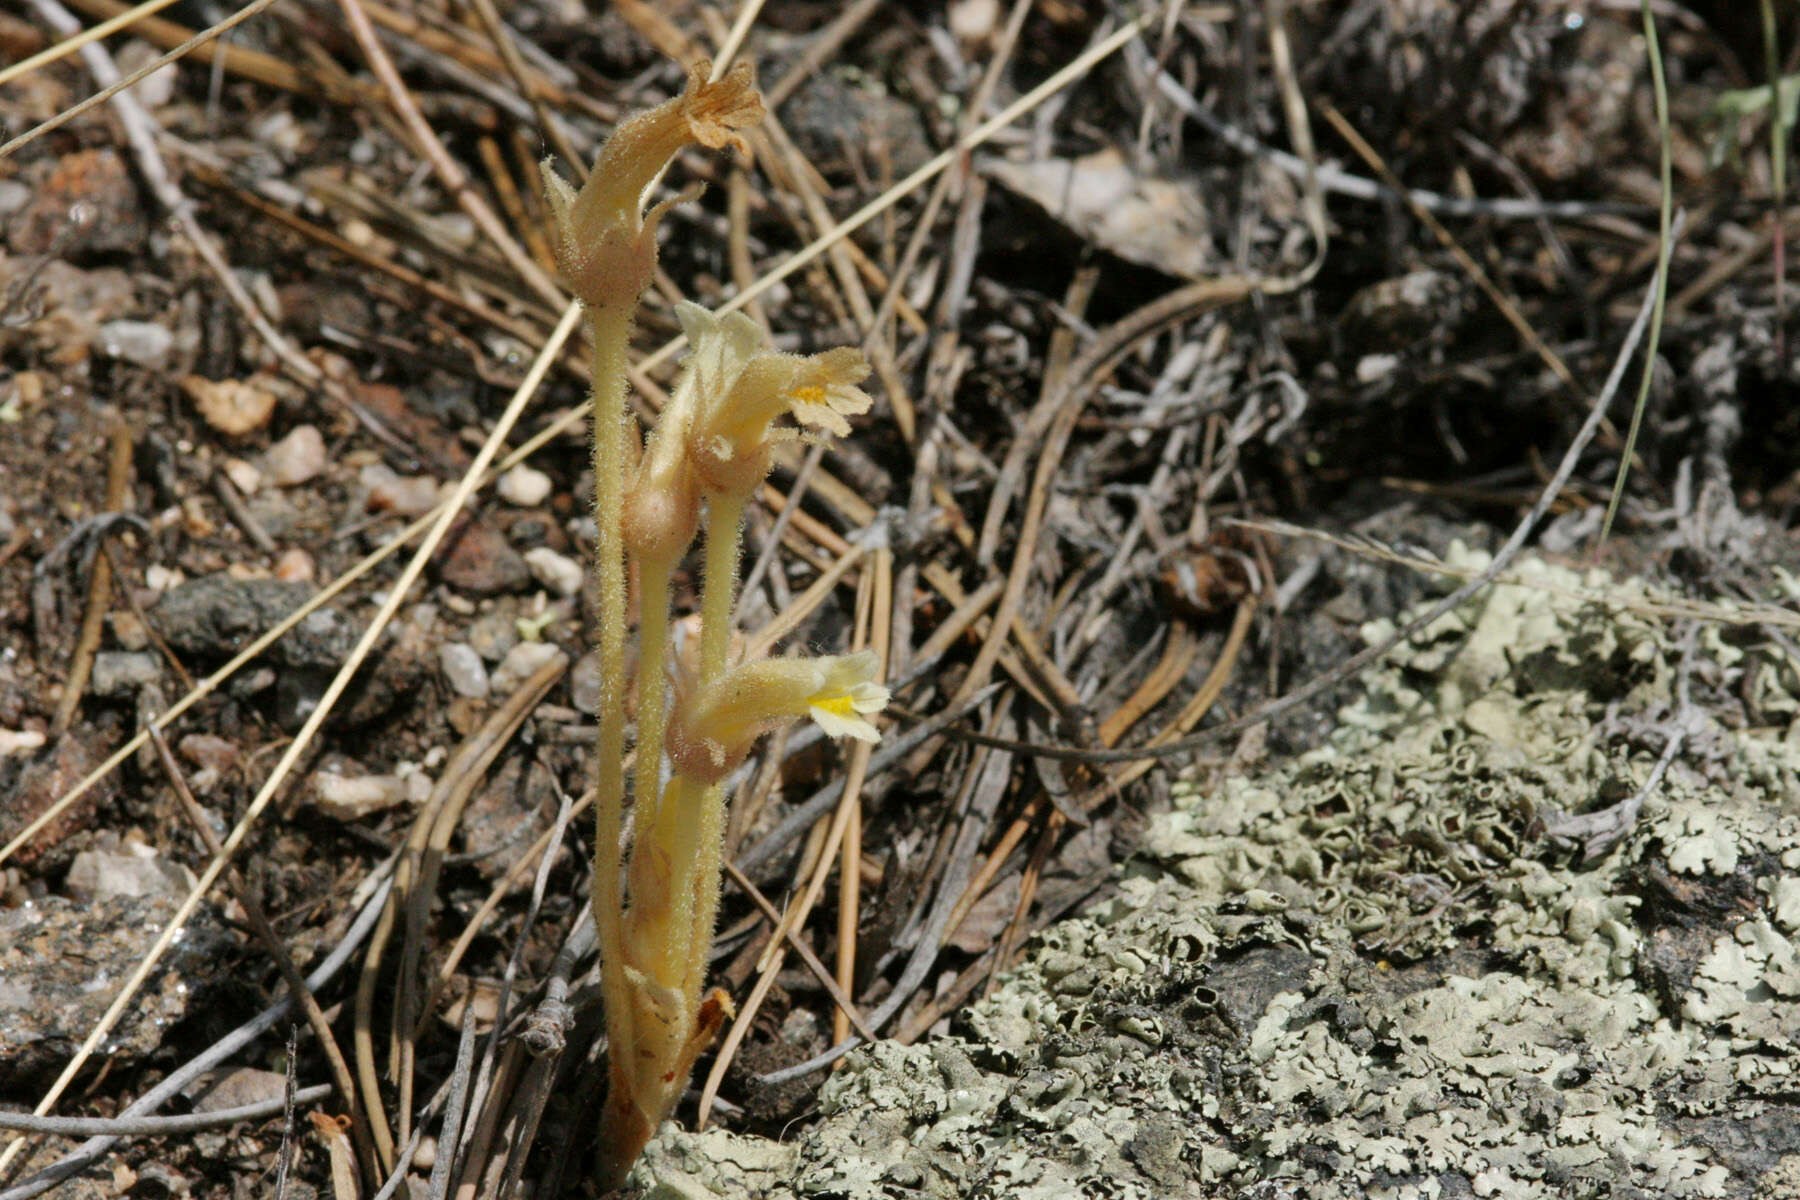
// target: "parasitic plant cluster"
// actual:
[[697, 712]]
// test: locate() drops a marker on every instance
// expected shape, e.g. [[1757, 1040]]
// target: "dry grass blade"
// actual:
[[434, 525], [445, 809], [454, 179], [414, 888], [71, 44], [1374, 653], [1054, 419], [285, 764], [112, 89]]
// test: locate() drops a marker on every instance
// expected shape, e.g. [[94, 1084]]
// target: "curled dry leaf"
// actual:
[[234, 407], [1152, 220]]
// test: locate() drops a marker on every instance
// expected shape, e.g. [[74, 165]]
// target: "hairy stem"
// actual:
[[709, 837], [610, 332], [652, 712], [724, 521]]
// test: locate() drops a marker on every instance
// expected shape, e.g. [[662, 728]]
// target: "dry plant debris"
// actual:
[[267, 310]]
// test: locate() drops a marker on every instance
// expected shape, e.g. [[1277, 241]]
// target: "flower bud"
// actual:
[[606, 243]]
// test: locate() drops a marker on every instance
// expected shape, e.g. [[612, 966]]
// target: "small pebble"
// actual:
[[463, 670], [479, 560], [122, 672], [557, 572], [297, 457], [13, 196], [159, 578], [142, 342], [233, 407], [209, 750], [584, 683], [419, 785], [20, 741], [244, 477], [294, 565], [155, 89], [352, 798], [520, 663], [493, 635], [526, 487], [134, 871], [129, 632], [408, 495]]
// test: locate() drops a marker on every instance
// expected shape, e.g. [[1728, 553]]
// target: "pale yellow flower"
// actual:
[[713, 727], [845, 713], [826, 391], [734, 433], [606, 243], [662, 498]]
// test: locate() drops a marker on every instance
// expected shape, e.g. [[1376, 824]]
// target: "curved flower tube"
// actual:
[[714, 725]]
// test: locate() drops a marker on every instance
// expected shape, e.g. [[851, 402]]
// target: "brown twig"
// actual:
[[93, 621], [290, 973]]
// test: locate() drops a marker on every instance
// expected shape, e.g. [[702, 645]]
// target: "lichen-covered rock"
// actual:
[[1374, 971]]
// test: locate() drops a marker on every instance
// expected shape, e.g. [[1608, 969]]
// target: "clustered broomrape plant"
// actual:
[[654, 909]]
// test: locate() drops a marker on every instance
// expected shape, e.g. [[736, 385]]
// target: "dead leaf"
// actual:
[[1152, 220]]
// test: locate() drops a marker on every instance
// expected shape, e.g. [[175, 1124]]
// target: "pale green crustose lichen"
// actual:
[[1366, 973]]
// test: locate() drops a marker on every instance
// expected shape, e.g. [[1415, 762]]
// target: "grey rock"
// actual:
[[122, 672], [62, 962], [275, 511], [126, 874], [463, 670], [235, 1087], [142, 342], [216, 615]]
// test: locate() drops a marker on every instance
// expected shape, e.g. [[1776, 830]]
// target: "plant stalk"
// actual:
[[609, 331], [724, 522]]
